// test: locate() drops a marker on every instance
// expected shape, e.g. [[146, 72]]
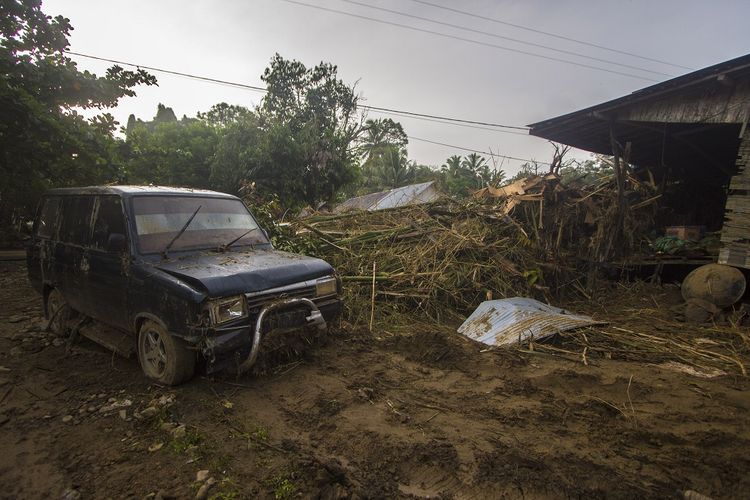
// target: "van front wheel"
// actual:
[[163, 357]]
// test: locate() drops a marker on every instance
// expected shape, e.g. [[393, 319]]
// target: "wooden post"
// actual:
[[619, 175]]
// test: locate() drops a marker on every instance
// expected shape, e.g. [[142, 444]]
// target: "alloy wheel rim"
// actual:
[[154, 352]]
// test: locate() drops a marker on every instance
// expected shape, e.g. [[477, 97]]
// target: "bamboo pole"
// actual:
[[372, 302]]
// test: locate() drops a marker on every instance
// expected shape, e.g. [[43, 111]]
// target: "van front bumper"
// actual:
[[237, 345]]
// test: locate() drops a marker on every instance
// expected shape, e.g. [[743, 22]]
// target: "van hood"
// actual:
[[232, 273]]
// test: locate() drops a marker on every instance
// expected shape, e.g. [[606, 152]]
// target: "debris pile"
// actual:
[[440, 259], [590, 220], [531, 237], [644, 325]]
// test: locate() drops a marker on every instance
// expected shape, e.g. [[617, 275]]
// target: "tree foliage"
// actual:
[[44, 141], [223, 115], [460, 176], [382, 148], [310, 121], [171, 152], [306, 143]]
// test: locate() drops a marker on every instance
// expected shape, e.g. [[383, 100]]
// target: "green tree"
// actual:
[[310, 123], [377, 141], [44, 140], [460, 176], [453, 165], [379, 134], [240, 157], [394, 169], [586, 172], [495, 177], [171, 152], [223, 114], [477, 167], [422, 173]]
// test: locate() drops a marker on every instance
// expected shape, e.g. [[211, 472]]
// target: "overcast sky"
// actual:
[[410, 70]]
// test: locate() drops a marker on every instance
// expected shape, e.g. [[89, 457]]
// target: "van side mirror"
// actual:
[[116, 243]]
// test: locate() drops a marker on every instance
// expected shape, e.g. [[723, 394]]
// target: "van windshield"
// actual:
[[158, 219]]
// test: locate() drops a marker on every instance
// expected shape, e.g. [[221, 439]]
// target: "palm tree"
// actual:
[[478, 168], [379, 134], [497, 177], [394, 167], [474, 162], [373, 138], [452, 166]]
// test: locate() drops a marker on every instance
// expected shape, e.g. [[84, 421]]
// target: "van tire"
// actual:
[[164, 358]]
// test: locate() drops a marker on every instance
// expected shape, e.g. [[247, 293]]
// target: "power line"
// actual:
[[488, 153], [469, 40], [495, 35], [374, 108], [170, 72], [554, 35], [477, 127], [261, 89], [409, 113]]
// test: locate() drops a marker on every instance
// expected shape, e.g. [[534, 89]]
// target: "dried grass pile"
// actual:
[[440, 260], [645, 325]]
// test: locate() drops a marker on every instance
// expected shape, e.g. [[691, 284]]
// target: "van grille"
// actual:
[[256, 302]]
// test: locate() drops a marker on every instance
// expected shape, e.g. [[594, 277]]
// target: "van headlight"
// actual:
[[326, 286], [227, 309]]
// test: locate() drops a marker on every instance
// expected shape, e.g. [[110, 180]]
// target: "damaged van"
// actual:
[[179, 276]]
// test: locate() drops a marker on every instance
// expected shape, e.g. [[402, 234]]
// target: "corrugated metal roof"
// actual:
[[654, 143], [360, 202], [510, 321], [424, 192]]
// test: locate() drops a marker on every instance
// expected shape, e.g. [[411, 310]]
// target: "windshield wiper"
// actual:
[[169, 245], [224, 248]]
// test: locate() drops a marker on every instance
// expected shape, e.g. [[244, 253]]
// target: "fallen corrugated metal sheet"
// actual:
[[510, 321], [412, 194], [408, 195]]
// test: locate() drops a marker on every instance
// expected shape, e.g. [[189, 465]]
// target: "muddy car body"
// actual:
[[187, 274]]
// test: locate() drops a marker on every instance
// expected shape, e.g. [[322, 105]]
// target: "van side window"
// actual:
[[46, 225], [76, 220], [109, 220]]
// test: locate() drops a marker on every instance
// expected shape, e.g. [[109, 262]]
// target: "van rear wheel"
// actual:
[[164, 358]]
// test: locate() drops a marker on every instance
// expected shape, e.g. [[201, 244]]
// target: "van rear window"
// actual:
[[46, 225], [217, 222], [76, 222]]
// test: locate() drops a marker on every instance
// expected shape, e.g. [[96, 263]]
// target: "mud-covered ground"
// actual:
[[382, 415]]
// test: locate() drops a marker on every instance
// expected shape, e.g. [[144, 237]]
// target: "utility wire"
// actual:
[[374, 108], [388, 110], [516, 40], [554, 35], [261, 89], [170, 72], [469, 40], [393, 113], [488, 153]]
